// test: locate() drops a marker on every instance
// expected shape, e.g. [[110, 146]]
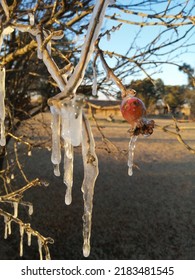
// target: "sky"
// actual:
[[122, 39]]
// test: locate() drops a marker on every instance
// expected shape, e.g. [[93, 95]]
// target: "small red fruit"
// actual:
[[132, 109]]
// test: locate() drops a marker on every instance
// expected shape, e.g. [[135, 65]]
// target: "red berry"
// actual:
[[132, 109]]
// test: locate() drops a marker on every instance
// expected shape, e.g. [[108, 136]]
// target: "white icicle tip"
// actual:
[[86, 250]]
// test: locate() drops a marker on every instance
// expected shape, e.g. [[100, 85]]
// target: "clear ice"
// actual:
[[131, 154], [91, 171], [75, 129]]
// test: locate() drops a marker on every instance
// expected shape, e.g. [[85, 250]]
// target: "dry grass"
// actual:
[[150, 215]]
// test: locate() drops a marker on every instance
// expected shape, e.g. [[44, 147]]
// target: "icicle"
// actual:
[[68, 171], [39, 46], [9, 227], [21, 239], [56, 170], [29, 237], [31, 19], [66, 126], [48, 257], [76, 121], [40, 245], [56, 147], [15, 204], [108, 36], [94, 86], [72, 121], [91, 171], [2, 106], [30, 209], [6, 220], [131, 154], [6, 31]]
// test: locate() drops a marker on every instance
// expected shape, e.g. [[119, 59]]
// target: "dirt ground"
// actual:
[[150, 215]]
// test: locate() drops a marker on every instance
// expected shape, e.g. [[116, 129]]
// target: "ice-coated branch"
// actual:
[[2, 107], [35, 182], [26, 228], [111, 75], [91, 171], [5, 8], [86, 51], [43, 50]]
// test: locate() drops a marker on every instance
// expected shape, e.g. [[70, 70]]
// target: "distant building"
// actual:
[[106, 108]]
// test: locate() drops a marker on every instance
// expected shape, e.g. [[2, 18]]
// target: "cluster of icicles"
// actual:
[[23, 228], [67, 127], [66, 123]]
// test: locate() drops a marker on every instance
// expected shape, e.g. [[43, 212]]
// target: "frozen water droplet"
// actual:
[[29, 153], [8, 180], [30, 209], [130, 171]]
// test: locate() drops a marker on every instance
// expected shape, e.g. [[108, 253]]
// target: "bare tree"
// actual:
[[40, 35]]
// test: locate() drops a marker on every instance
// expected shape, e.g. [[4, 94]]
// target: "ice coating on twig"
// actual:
[[91, 171], [56, 147], [88, 46], [131, 154], [2, 106]]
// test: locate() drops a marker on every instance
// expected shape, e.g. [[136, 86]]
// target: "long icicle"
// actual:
[[91, 171]]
